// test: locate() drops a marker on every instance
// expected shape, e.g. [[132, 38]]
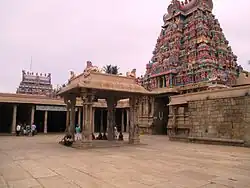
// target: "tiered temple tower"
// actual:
[[191, 50], [38, 84]]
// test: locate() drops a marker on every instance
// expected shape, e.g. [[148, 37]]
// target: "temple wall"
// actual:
[[227, 118], [220, 114]]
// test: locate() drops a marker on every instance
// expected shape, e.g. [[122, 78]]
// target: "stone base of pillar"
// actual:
[[146, 130], [82, 144], [134, 141]]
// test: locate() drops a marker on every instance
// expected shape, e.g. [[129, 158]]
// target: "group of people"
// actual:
[[26, 130], [101, 136]]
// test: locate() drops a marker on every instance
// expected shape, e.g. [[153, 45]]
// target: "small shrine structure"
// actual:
[[92, 85]]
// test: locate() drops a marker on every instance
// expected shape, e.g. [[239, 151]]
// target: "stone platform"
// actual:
[[40, 162], [211, 141], [102, 144]]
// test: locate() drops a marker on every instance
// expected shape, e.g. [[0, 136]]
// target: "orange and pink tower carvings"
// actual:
[[191, 48]]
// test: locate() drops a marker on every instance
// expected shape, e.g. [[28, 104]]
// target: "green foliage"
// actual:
[[111, 69]]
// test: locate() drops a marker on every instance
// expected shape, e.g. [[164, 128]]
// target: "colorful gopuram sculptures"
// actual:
[[191, 49], [34, 83]]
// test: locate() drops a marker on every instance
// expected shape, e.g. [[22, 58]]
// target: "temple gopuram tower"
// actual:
[[37, 84], [191, 50]]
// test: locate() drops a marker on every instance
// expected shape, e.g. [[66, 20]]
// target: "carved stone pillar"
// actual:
[[79, 116], [111, 103], [152, 101], [101, 128], [67, 118], [13, 127], [87, 126], [122, 128], [128, 120], [141, 109], [72, 116], [134, 121], [84, 116], [32, 115], [145, 101], [45, 128], [164, 81], [174, 120]]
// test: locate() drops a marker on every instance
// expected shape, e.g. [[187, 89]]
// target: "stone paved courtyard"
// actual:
[[41, 162]]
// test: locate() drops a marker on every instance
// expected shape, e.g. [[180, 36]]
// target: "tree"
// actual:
[[110, 69]]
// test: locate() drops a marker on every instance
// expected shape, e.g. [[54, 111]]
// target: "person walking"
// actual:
[[33, 129], [18, 129]]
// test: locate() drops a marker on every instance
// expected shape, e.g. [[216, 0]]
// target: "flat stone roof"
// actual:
[[104, 82]]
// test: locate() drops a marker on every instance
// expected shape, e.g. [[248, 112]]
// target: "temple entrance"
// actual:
[[6, 114], [24, 114], [56, 121], [161, 115], [39, 121]]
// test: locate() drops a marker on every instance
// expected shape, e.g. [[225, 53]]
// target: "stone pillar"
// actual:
[[84, 115], [32, 115], [152, 106], [102, 128], [67, 118], [93, 119], [141, 109], [87, 121], [134, 120], [45, 129], [13, 127], [128, 120], [111, 103], [72, 116], [79, 116], [146, 106], [171, 81], [122, 120]]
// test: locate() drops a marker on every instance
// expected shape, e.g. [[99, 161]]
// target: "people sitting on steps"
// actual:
[[104, 137], [99, 137], [120, 137]]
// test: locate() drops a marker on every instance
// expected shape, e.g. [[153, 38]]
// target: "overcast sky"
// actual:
[[61, 35]]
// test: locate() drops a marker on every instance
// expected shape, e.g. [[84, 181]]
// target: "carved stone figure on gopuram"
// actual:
[[191, 49]]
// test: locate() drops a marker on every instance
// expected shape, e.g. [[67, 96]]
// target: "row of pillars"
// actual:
[[14, 117], [88, 120], [32, 117], [101, 125]]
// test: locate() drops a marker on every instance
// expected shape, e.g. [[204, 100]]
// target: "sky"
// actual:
[[61, 35]]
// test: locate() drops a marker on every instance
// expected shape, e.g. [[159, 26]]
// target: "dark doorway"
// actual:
[[56, 121], [105, 120], [118, 119], [39, 121], [24, 114], [161, 115], [125, 121], [79, 115], [6, 114], [98, 119]]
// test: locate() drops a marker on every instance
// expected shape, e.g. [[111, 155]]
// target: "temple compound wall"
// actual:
[[221, 114]]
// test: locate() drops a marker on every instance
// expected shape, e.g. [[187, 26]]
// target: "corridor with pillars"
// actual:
[[55, 121], [100, 119]]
